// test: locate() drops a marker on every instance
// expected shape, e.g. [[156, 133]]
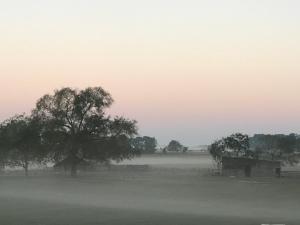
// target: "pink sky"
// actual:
[[192, 71]]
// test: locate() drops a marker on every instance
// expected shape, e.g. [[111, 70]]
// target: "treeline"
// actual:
[[148, 145], [276, 147], [261, 146]]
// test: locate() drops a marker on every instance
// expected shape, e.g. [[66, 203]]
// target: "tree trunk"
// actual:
[[26, 169], [2, 166], [73, 169], [74, 161], [26, 164]]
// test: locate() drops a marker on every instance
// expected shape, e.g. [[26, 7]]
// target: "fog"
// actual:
[[175, 161], [175, 189]]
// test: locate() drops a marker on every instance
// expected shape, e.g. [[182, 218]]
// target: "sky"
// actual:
[[188, 70]]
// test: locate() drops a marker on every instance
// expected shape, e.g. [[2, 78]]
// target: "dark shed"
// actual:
[[250, 167]]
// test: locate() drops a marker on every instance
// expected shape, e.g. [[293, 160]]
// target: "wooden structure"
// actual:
[[246, 167]]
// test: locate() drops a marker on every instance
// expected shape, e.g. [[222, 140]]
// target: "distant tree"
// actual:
[[257, 152], [287, 143], [175, 146], [217, 150], [76, 127], [4, 146], [185, 149], [239, 144], [277, 147], [235, 145], [266, 146], [144, 144], [22, 141], [138, 143], [150, 144], [164, 150]]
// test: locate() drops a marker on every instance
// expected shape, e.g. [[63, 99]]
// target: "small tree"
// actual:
[[235, 145], [144, 144], [175, 146], [239, 144], [217, 149], [287, 146], [185, 149], [76, 127], [21, 138], [150, 144], [287, 143], [4, 146]]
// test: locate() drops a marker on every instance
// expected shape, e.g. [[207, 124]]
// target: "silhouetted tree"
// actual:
[[277, 147], [217, 150], [4, 145], [22, 141], [76, 127], [238, 143], [235, 145], [150, 144], [145, 144], [175, 146], [287, 143], [164, 150], [185, 149]]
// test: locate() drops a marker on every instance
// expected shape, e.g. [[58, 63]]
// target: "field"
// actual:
[[176, 190]]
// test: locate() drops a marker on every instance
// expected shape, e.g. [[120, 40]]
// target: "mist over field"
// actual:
[[175, 189]]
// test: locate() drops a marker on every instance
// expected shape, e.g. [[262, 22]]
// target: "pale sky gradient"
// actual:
[[187, 70]]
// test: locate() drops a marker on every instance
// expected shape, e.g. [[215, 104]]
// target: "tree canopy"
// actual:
[[20, 137], [235, 145], [76, 127], [145, 144], [277, 146], [175, 146]]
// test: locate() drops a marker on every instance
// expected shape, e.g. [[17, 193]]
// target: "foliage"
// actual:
[[3, 145], [76, 127], [144, 144], [238, 143], [277, 147], [235, 145], [175, 146], [21, 138], [217, 150]]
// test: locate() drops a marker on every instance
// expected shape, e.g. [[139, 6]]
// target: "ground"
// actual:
[[168, 193]]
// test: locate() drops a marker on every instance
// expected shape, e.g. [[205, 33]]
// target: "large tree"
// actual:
[[76, 127], [20, 137]]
